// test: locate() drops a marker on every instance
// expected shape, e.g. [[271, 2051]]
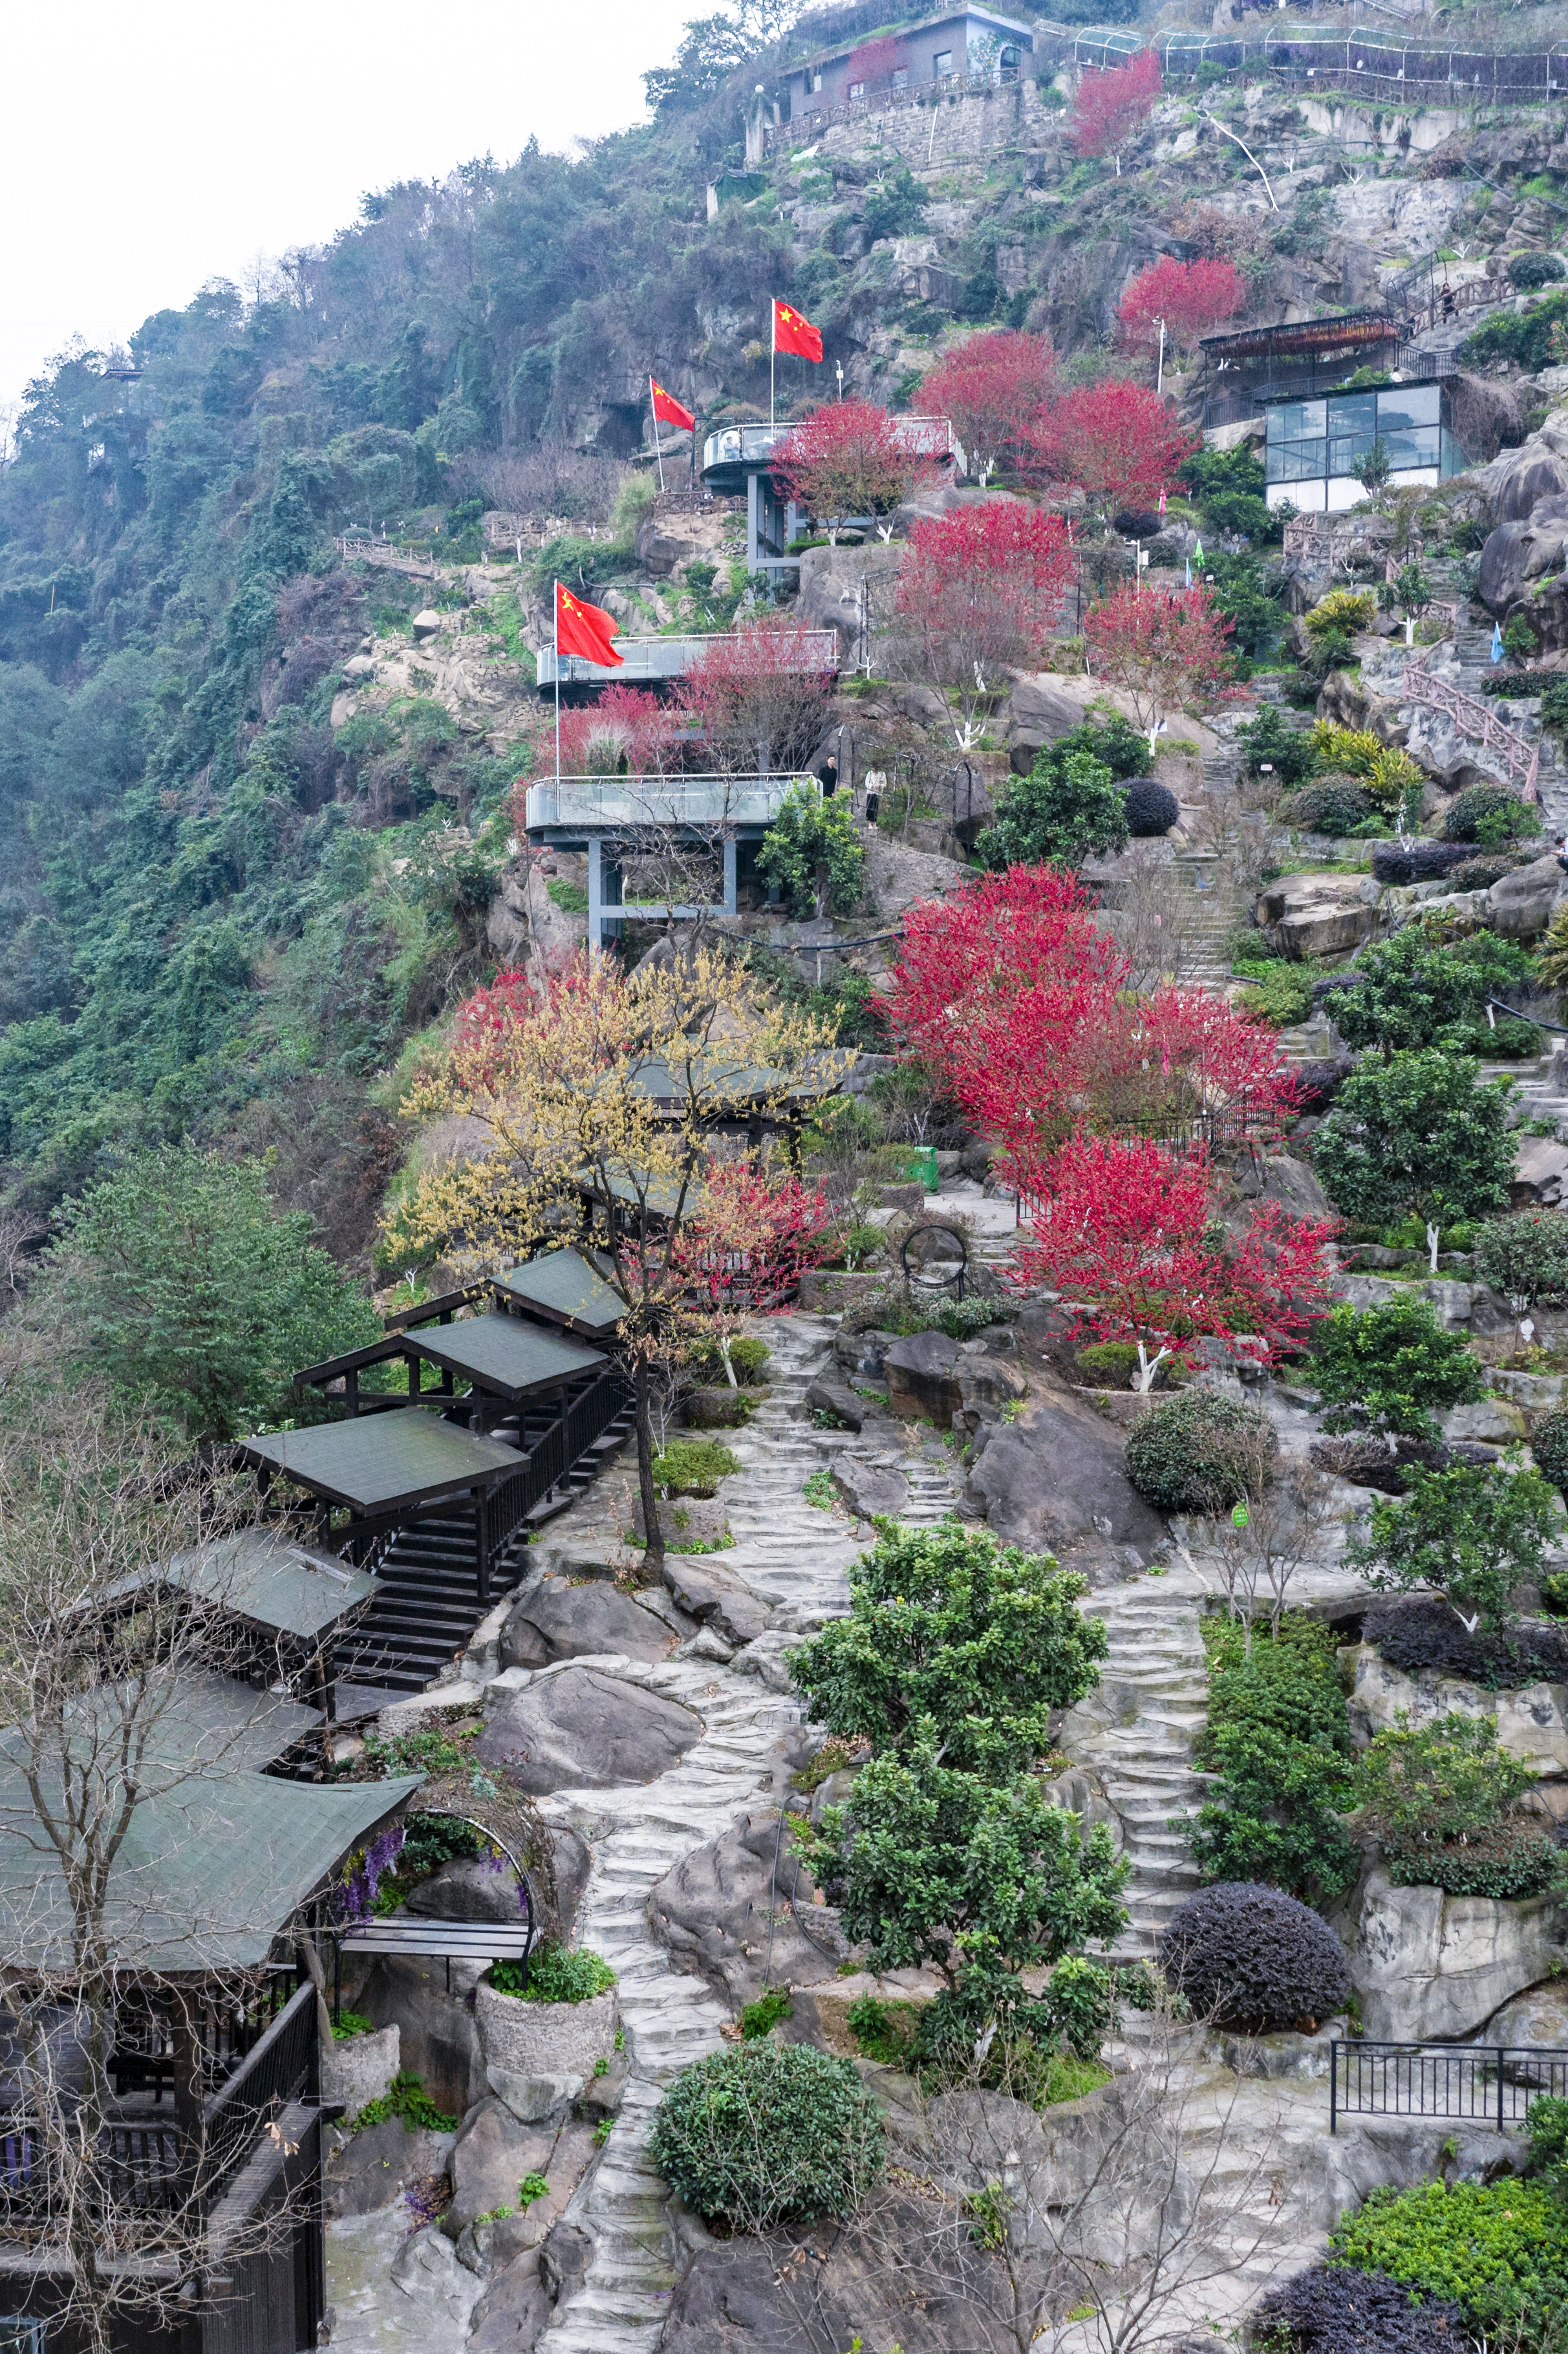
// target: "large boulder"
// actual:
[[1533, 1720], [1521, 903], [582, 1729], [371, 2168], [560, 1621], [523, 2294], [872, 1491], [1034, 715], [725, 1914], [923, 1379], [471, 1888], [831, 580], [1055, 1481], [438, 2040], [715, 1597], [1540, 1172], [490, 2157], [1319, 915], [887, 2282], [1518, 553], [1430, 1968]]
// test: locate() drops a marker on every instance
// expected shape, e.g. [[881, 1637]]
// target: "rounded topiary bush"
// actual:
[[1199, 1454], [1151, 808], [1535, 269], [1246, 1956], [769, 2132], [1415, 862], [1332, 2310], [1486, 814], [1327, 805]]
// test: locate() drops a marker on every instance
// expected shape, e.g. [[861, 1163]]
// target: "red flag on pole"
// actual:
[[793, 333], [585, 630], [669, 410]]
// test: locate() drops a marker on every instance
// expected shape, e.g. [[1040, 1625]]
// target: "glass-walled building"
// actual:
[[1314, 446]]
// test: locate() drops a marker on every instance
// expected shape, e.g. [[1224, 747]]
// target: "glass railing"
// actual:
[[657, 803], [751, 445], [654, 658]]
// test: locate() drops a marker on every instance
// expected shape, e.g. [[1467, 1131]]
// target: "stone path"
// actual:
[[797, 1556]]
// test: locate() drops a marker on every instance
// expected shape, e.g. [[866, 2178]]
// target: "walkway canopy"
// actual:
[[567, 1290], [505, 1356], [213, 1869], [382, 1465]]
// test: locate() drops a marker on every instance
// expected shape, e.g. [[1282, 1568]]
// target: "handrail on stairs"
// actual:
[[1477, 718]]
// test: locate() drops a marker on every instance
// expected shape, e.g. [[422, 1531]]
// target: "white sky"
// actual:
[[150, 146]]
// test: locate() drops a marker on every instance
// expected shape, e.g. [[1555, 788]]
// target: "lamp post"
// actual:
[[839, 370], [1159, 379]]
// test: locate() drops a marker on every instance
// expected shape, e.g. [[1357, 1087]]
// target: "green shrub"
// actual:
[[1278, 1738], [1488, 814], [570, 897], [1198, 1453], [766, 2133], [1436, 1796], [1529, 270], [349, 2023], [1065, 811], [1107, 1364], [1340, 614], [1280, 998], [884, 2031], [1391, 1364], [1547, 2126], [1549, 1444], [1269, 744], [693, 1466], [860, 1244], [407, 2099], [1474, 1531], [761, 2017], [1335, 805], [1500, 2250], [810, 835], [945, 1625], [1525, 1255], [555, 1975], [749, 1356]]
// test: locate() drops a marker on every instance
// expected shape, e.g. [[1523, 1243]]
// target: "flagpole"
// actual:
[[658, 451], [558, 683], [772, 359]]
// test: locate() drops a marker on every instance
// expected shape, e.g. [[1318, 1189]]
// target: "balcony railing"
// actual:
[[657, 658], [753, 445], [657, 804], [1493, 2084], [155, 2168]]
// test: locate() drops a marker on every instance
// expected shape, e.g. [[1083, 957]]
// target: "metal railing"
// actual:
[[280, 2068], [386, 558], [633, 803], [227, 2029], [1316, 53], [547, 1462], [1493, 2084], [753, 445], [656, 658]]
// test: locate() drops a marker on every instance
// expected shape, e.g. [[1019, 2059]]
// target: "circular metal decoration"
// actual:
[[918, 1281]]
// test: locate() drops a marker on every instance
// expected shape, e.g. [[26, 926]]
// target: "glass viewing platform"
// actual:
[[645, 661]]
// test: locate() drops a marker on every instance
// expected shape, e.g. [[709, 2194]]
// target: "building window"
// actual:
[[1009, 64], [942, 64], [900, 77], [857, 90], [816, 83], [18, 2336]]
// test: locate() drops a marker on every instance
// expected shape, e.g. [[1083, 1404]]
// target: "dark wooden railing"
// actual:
[[156, 2168], [551, 1457], [228, 2028]]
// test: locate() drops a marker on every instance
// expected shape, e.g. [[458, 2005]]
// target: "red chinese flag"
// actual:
[[793, 333], [585, 630], [668, 410]]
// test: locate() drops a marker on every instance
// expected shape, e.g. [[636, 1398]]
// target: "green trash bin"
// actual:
[[922, 1168]]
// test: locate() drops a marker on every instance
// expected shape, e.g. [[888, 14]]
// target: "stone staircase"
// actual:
[[1135, 1734], [1541, 1091]]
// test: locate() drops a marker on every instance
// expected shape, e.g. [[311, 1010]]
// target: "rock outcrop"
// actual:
[[1055, 1481], [581, 1728], [1431, 1968]]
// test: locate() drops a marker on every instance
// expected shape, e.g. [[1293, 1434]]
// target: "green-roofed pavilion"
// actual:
[[505, 1356], [211, 1869], [569, 1290], [284, 1588], [385, 1463]]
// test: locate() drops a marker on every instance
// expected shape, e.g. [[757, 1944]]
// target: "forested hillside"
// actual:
[[224, 918]]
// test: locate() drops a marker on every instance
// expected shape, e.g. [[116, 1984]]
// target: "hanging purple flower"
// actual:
[[355, 1892]]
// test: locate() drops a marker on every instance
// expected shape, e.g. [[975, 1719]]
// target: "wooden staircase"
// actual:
[[428, 1600]]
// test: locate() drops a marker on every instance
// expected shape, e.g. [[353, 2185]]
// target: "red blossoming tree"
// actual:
[[1191, 297], [989, 387], [1112, 102], [761, 694], [1167, 651], [848, 458], [1125, 1224], [624, 731], [1115, 441], [1018, 958], [1022, 1007], [753, 1236], [979, 590]]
